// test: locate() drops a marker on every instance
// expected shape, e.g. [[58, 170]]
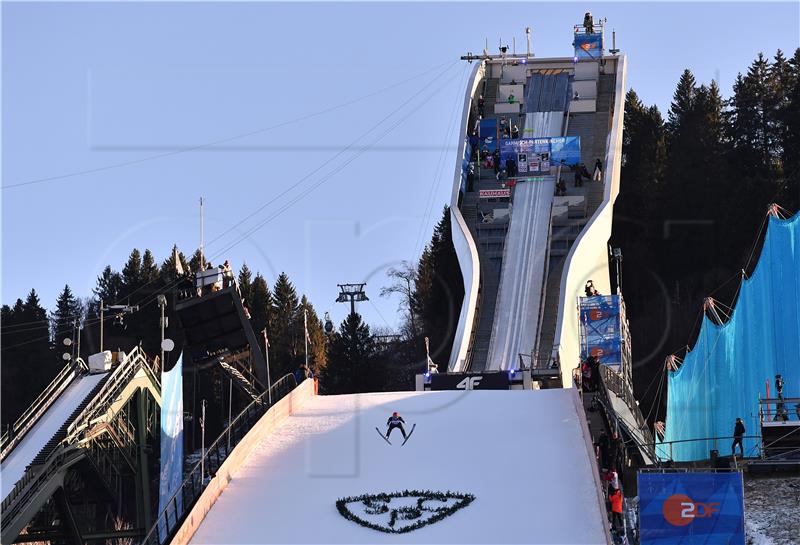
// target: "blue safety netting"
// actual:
[[726, 372]]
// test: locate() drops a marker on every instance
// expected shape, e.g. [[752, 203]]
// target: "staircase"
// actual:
[[235, 365], [61, 434], [593, 129]]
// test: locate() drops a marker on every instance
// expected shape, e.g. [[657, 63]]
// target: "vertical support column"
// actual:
[[143, 481], [67, 519]]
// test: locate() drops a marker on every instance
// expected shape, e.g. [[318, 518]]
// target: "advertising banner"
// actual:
[[465, 166], [494, 193], [171, 441], [488, 135], [565, 150], [589, 46], [470, 381], [691, 508], [600, 329], [531, 155]]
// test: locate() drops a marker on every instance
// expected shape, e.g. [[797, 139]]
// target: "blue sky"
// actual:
[[94, 84]]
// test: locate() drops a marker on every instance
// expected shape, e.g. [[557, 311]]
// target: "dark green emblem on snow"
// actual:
[[401, 512]]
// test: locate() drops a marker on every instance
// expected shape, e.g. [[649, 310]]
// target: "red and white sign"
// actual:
[[494, 193]]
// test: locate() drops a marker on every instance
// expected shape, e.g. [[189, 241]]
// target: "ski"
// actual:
[[383, 436], [409, 434]]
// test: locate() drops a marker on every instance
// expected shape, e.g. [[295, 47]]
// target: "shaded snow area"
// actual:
[[13, 467], [772, 511], [520, 454]]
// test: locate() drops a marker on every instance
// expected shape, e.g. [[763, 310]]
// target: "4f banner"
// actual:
[[691, 508]]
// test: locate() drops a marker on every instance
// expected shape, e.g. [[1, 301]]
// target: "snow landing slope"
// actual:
[[522, 454]]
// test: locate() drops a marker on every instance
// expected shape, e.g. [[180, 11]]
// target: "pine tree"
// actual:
[[168, 269], [194, 262], [109, 286], [316, 333], [682, 104], [245, 282], [285, 337], [350, 355], [440, 292], [259, 301], [149, 268], [789, 195], [67, 315], [132, 273]]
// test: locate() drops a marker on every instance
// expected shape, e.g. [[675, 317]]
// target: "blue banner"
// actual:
[[691, 508], [488, 135], [565, 150], [589, 46], [171, 442], [465, 166], [600, 329]]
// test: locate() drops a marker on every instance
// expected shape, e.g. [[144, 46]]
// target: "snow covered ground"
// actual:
[[772, 511], [520, 453], [49, 423]]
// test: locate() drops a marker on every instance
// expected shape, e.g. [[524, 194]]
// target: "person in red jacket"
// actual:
[[616, 509]]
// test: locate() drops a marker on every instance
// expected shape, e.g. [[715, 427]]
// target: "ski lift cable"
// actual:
[[330, 174], [221, 140], [434, 187], [341, 152], [426, 86]]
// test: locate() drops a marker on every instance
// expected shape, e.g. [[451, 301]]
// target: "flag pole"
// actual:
[[305, 330], [266, 355]]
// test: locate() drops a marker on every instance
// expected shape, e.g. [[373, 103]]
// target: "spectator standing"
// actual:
[[515, 132], [481, 105], [597, 175], [616, 510], [738, 435], [578, 179], [588, 23]]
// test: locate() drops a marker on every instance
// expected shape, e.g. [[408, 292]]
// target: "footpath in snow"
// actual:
[[521, 454]]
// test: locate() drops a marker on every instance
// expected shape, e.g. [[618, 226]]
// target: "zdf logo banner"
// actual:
[[691, 508]]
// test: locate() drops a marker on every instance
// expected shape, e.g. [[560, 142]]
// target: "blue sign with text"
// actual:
[[600, 329], [589, 46], [691, 508]]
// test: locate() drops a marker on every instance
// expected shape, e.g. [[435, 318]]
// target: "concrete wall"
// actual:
[[590, 455], [265, 426], [588, 257], [466, 250]]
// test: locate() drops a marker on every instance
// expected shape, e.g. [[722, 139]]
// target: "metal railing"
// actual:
[[781, 412], [616, 383], [182, 501], [30, 483], [118, 380], [19, 428]]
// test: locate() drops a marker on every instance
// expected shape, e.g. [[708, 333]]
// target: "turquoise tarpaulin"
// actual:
[[726, 372]]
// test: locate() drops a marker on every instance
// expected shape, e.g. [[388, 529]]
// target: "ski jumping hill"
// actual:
[[524, 456]]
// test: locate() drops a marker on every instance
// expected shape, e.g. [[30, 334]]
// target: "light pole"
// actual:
[[162, 303], [203, 442]]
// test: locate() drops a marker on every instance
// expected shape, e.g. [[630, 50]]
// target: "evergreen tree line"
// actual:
[[430, 292], [348, 360], [693, 197], [32, 338]]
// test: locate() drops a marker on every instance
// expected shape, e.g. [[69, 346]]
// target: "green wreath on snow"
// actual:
[[378, 504]]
